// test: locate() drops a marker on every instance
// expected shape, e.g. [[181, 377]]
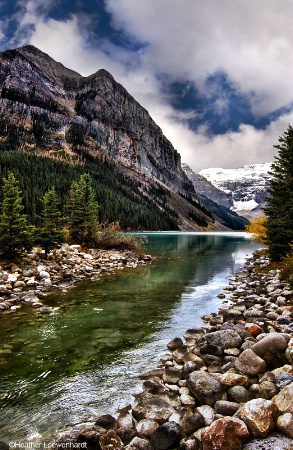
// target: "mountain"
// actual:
[[92, 123], [216, 200], [247, 187]]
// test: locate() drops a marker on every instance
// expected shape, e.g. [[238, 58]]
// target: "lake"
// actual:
[[63, 369]]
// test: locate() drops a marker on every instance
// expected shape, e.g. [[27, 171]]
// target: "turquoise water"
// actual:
[[62, 369]]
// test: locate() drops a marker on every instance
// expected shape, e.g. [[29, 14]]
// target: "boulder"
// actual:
[[285, 424], [270, 343], [167, 436], [205, 388], [231, 378], [106, 421], [283, 379], [224, 339], [172, 375], [192, 423], [227, 433], [238, 394], [248, 363], [126, 434], [260, 416], [91, 435], [226, 408], [125, 420], [111, 441], [208, 414], [275, 441], [156, 407], [284, 400], [289, 351], [174, 343], [190, 444], [147, 427], [138, 443]]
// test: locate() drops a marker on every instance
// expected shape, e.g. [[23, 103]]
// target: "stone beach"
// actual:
[[34, 277], [224, 386]]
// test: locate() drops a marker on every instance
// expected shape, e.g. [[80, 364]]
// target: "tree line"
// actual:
[[275, 227], [120, 198], [81, 218]]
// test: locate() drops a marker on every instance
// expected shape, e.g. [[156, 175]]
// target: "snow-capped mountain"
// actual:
[[248, 186]]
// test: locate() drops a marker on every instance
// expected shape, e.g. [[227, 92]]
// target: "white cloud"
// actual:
[[190, 40], [234, 149], [251, 41]]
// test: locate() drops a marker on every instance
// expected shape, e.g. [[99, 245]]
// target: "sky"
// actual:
[[216, 76]]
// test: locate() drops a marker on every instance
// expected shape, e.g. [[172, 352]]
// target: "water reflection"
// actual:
[[66, 367]]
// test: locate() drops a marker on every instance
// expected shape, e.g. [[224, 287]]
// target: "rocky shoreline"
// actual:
[[30, 281], [227, 386]]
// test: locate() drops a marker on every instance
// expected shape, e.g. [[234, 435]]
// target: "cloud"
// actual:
[[250, 41], [248, 145]]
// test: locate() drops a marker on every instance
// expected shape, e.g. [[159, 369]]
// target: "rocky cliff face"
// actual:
[[45, 105], [246, 185], [204, 187]]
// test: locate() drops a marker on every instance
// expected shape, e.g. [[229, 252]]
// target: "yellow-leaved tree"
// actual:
[[257, 228]]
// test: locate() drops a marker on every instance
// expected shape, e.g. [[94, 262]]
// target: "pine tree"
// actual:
[[82, 210], [51, 233], [279, 213], [15, 234]]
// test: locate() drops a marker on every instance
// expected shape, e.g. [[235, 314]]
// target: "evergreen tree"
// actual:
[[82, 210], [15, 234], [279, 213], [51, 233]]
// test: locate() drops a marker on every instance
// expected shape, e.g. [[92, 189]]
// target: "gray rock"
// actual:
[[249, 363], [226, 408], [205, 388], [156, 407], [193, 422], [275, 441], [125, 420], [190, 444], [147, 427], [224, 339], [270, 343], [172, 375], [166, 436], [126, 434], [283, 379], [174, 343], [91, 435], [285, 424], [106, 421], [238, 394], [138, 443]]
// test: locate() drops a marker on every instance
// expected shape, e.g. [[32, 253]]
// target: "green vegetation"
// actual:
[[279, 234], [225, 215], [15, 234], [82, 212], [50, 233], [119, 198], [82, 221]]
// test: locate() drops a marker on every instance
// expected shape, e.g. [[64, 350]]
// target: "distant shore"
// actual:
[[33, 277]]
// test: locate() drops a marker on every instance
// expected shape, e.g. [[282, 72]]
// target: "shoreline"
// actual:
[[35, 277], [227, 386]]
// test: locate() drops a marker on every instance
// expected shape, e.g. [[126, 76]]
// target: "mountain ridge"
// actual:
[[247, 186], [50, 110]]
